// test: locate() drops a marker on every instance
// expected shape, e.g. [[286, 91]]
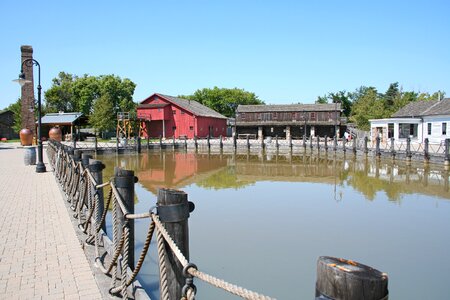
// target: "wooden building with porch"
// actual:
[[69, 123], [290, 121]]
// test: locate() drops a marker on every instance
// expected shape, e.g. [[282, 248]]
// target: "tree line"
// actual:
[[367, 103], [101, 97]]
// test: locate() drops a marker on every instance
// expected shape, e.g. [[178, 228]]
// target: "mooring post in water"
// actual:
[[326, 143], [248, 142], [393, 153], [173, 209], [173, 141], [447, 152], [290, 141], [377, 147], [160, 142], [276, 142], [117, 144], [138, 139], [220, 142], [235, 142], [344, 143], [339, 278], [96, 167], [195, 142], [355, 142], [311, 142], [366, 149], [124, 181], [318, 144], [77, 155], [74, 140], [408, 150], [426, 152], [148, 142], [304, 141], [185, 142], [335, 143]]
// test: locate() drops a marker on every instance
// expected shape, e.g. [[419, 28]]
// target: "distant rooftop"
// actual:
[[424, 108], [288, 107], [61, 118]]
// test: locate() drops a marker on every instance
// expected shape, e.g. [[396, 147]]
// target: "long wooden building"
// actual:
[[290, 121]]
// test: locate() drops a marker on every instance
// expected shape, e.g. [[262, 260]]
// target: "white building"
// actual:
[[417, 120]]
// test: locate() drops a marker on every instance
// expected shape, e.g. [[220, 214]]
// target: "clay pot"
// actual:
[[26, 137], [55, 134]]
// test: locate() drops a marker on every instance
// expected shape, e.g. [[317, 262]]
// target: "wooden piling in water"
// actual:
[[173, 210], [377, 148], [326, 143], [124, 181], [426, 153], [366, 149], [339, 278]]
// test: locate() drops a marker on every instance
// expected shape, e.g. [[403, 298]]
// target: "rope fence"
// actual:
[[80, 178]]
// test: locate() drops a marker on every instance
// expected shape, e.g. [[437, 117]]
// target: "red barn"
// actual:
[[169, 116]]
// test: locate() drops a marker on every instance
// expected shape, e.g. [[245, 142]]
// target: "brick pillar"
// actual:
[[27, 96]]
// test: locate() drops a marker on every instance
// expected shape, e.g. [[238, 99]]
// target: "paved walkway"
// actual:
[[40, 255]]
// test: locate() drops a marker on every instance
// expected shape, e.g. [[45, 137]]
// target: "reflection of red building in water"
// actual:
[[168, 116], [175, 170]]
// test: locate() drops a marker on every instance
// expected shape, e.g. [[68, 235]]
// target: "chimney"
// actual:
[[27, 95]]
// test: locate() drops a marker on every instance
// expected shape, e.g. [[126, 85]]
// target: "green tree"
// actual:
[[322, 99], [223, 100], [16, 108], [344, 98], [59, 96], [103, 118], [367, 106]]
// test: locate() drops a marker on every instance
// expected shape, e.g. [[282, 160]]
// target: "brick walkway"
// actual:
[[40, 255]]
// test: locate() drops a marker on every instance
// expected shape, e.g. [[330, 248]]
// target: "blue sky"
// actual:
[[283, 51]]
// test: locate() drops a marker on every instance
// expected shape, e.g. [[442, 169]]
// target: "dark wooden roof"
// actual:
[[288, 108], [191, 106], [424, 108], [158, 105]]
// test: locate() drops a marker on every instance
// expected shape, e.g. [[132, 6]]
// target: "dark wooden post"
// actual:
[[311, 142], [77, 155], [74, 141], [173, 210], [96, 167], [318, 143], [124, 181], [248, 142], [185, 142], [208, 141], [221, 142], [366, 149], [447, 152], [138, 140], [408, 150], [148, 142], [339, 278], [335, 143], [426, 153], [377, 147], [354, 145], [95, 144], [393, 148], [195, 142], [304, 141], [276, 142], [117, 143], [85, 160], [290, 142], [173, 141], [344, 143], [160, 142], [235, 142], [326, 143]]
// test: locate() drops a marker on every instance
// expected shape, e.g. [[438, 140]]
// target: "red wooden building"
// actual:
[[168, 116]]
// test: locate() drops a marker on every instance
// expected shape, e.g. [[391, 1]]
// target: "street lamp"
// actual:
[[40, 167]]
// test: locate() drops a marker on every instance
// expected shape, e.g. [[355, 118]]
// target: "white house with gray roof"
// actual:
[[417, 120]]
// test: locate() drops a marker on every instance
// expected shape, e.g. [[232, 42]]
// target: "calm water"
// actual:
[[261, 221]]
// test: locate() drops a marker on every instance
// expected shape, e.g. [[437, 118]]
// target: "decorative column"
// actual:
[[27, 95]]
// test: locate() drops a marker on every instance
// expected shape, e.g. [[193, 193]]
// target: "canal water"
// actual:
[[262, 220]]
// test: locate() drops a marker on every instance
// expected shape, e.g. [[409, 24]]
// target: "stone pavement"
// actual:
[[40, 255]]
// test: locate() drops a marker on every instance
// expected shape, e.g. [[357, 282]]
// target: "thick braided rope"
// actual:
[[144, 251], [164, 289], [231, 288]]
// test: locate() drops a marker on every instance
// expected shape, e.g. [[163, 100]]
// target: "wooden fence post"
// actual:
[[304, 141], [148, 142], [377, 149], [355, 142], [290, 142], [208, 141], [326, 143], [248, 142], [160, 142], [318, 144], [173, 210], [393, 148], [335, 143], [408, 150], [96, 167], [339, 278], [221, 142], [173, 141], [447, 152], [426, 151], [344, 143], [95, 144], [195, 142], [124, 181], [311, 142], [366, 149], [138, 139], [276, 142]]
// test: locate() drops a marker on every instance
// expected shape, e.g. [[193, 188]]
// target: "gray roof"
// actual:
[[61, 118], [193, 107], [288, 107], [424, 108]]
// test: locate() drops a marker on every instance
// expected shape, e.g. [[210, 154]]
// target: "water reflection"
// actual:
[[222, 171]]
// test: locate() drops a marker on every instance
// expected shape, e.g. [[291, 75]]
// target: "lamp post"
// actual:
[[40, 167]]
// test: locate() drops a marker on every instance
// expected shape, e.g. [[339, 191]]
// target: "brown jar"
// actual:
[[55, 134], [26, 137]]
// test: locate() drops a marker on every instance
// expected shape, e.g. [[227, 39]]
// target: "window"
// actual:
[[191, 127], [390, 130], [444, 128], [174, 112], [312, 116], [182, 112], [407, 130], [429, 128]]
